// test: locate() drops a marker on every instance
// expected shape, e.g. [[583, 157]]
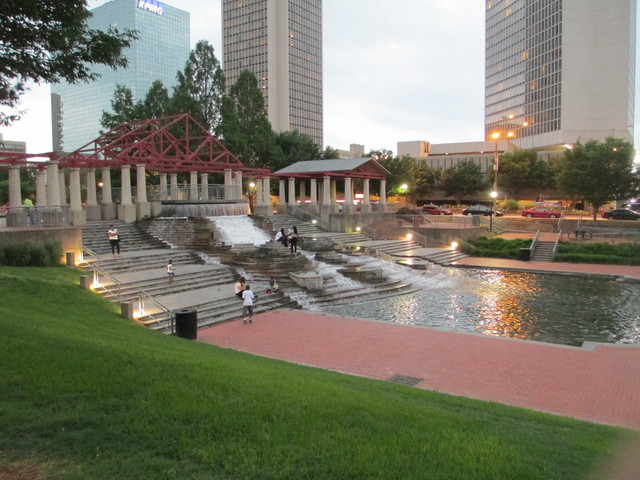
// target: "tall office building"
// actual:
[[280, 41], [161, 50], [558, 71]]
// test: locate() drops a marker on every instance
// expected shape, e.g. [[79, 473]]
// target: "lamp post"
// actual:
[[250, 193], [493, 195], [403, 188]]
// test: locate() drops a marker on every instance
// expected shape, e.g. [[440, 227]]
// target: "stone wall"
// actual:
[[69, 237]]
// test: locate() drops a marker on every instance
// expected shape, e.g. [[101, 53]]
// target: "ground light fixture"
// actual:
[[454, 245], [358, 228], [493, 196], [409, 236]]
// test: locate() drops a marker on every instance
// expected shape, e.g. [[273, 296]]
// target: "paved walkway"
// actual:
[[598, 382]]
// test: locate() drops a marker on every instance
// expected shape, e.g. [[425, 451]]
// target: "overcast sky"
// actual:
[[393, 71]]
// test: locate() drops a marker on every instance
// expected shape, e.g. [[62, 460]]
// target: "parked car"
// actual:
[[481, 210], [436, 210], [541, 212], [621, 214]]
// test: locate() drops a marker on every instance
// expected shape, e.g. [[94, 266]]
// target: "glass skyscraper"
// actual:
[[558, 71], [280, 42], [161, 50]]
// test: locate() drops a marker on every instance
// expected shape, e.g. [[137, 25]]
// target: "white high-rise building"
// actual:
[[558, 71], [280, 41]]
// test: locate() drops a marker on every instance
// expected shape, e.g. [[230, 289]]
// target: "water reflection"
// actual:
[[550, 308]]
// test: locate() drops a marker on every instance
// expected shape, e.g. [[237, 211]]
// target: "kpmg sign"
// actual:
[[152, 6]]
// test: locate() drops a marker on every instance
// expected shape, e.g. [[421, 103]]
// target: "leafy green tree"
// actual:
[[49, 41], [599, 172], [200, 88], [296, 147], [330, 153], [424, 178], [156, 102], [523, 169], [462, 180], [246, 130], [400, 171], [124, 109]]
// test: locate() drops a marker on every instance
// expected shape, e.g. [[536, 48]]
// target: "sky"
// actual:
[[393, 71]]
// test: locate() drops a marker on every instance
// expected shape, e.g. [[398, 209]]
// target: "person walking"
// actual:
[[170, 271], [247, 304], [293, 239], [114, 240], [239, 287]]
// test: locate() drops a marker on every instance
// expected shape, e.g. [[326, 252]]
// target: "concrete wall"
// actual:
[[69, 237]]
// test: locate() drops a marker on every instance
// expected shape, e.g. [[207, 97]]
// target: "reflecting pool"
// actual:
[[551, 308]]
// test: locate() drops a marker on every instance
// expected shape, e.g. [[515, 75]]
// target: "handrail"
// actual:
[[555, 245], [459, 240], [307, 216], [142, 296], [99, 271], [532, 247]]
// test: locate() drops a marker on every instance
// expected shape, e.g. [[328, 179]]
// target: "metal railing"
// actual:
[[555, 245], [37, 217], [99, 272], [305, 216], [532, 247], [154, 192], [155, 317]]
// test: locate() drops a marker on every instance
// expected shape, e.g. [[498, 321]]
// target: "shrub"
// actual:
[[26, 254], [496, 247], [600, 252]]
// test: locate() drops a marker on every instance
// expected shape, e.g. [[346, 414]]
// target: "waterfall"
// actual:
[[239, 229], [202, 210]]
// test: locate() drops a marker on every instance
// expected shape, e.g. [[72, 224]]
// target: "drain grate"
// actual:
[[404, 380]]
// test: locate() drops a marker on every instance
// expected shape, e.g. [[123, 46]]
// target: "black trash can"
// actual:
[[187, 323]]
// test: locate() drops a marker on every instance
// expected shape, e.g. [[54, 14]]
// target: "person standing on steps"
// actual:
[[170, 271], [293, 239], [114, 240], [239, 287], [247, 304]]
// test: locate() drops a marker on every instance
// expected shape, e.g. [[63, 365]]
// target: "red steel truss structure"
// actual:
[[164, 145]]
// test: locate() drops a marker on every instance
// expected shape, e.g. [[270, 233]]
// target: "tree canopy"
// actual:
[[523, 169], [49, 41], [462, 180], [599, 172]]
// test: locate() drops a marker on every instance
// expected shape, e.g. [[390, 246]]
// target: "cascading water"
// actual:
[[239, 229]]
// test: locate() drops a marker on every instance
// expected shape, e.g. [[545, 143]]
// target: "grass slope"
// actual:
[[86, 394]]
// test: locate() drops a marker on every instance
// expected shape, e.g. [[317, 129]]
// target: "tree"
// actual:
[[424, 178], [296, 147], [330, 153], [400, 171], [156, 102], [523, 169], [246, 131], [599, 172], [200, 88], [462, 180], [49, 41], [123, 107]]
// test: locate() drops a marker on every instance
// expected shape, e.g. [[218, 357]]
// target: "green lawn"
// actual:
[[88, 395]]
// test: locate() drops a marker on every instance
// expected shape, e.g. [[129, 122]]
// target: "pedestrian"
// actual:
[[281, 237], [273, 285], [247, 304], [114, 240], [293, 239], [239, 287], [170, 271]]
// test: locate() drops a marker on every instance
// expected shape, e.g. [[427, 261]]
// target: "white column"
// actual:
[[383, 192], [141, 184], [266, 191], [62, 187], [365, 193], [314, 191], [53, 185], [348, 196], [292, 191], [302, 185], [228, 183], [204, 185], [238, 193], [106, 186], [163, 186], [334, 192], [259, 195], [92, 200], [174, 186], [326, 191], [193, 185], [282, 199], [41, 189], [75, 200], [15, 191], [125, 183]]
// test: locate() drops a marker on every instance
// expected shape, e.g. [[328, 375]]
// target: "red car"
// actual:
[[541, 212], [435, 210]]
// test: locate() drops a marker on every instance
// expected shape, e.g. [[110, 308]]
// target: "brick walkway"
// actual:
[[598, 382]]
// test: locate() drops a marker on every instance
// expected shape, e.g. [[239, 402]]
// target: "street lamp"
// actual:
[[250, 194], [403, 188], [493, 195]]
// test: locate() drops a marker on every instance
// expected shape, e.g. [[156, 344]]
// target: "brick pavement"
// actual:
[[598, 383]]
